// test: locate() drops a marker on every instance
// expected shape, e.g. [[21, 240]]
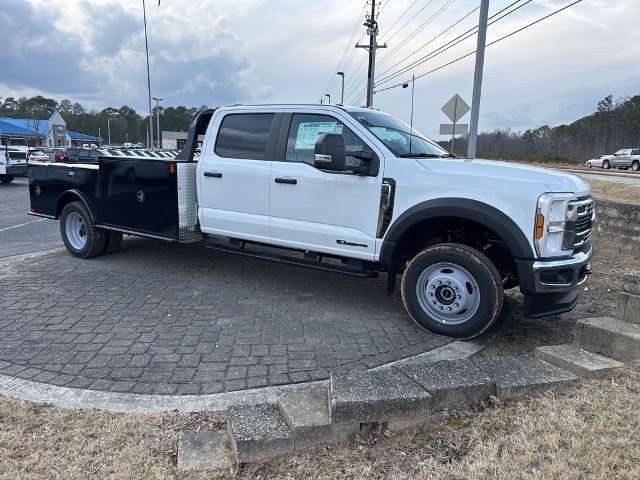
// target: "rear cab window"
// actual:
[[245, 136]]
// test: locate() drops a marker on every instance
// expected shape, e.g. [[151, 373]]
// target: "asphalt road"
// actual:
[[20, 232]]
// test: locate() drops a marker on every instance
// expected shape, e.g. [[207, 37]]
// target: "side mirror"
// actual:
[[330, 152]]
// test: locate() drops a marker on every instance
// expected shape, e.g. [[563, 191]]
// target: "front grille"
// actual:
[[579, 231]]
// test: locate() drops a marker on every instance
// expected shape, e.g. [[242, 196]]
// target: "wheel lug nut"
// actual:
[[441, 308], [431, 294], [449, 308], [439, 282], [434, 302], [448, 282], [459, 296], [457, 304]]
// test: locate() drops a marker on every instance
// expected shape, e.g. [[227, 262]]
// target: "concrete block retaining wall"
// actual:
[[619, 219]]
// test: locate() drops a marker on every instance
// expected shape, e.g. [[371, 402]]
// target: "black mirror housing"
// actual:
[[330, 152]]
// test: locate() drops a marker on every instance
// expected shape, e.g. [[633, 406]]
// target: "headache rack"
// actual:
[[91, 155]]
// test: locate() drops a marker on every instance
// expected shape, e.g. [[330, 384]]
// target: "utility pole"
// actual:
[[341, 74], [109, 130], [146, 45], [477, 80], [158, 100], [372, 31]]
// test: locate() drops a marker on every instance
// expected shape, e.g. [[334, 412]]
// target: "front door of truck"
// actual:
[[234, 173], [329, 212]]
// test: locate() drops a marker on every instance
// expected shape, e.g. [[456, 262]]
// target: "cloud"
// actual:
[[94, 52], [240, 51]]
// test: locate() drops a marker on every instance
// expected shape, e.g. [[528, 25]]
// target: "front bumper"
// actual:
[[553, 286]]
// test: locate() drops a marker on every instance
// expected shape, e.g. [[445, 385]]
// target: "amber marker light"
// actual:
[[539, 226]]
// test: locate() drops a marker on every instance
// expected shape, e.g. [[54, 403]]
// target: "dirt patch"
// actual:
[[616, 192], [39, 441]]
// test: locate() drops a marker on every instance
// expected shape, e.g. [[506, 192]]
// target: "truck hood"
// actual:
[[553, 180]]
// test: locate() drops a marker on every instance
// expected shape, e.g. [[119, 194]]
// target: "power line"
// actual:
[[401, 15], [488, 44], [409, 21], [446, 30], [436, 14], [448, 45], [346, 49], [452, 43]]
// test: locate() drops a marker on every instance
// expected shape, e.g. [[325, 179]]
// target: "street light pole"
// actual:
[[477, 80], [99, 133], [341, 74], [158, 100], [329, 97], [146, 45], [109, 130]]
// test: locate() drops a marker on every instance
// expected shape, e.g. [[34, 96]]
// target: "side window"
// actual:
[[244, 136], [635, 152], [305, 130]]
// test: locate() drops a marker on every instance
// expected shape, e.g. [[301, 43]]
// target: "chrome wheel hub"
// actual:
[[76, 231], [448, 293]]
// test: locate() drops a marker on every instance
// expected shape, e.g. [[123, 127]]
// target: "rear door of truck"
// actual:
[[234, 169]]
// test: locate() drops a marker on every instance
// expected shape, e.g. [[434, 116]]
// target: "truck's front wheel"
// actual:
[[453, 290], [79, 235]]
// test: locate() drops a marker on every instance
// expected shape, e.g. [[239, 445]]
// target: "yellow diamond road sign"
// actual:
[[456, 108]]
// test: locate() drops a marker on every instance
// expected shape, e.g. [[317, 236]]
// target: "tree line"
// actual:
[[126, 124], [615, 124]]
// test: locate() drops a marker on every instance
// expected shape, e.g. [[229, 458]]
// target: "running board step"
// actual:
[[351, 272]]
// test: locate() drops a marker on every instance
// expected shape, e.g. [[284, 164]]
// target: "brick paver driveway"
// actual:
[[162, 318]]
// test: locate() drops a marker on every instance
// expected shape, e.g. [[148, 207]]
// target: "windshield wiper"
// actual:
[[420, 155], [448, 155]]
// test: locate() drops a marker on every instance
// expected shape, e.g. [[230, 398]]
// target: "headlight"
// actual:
[[552, 216]]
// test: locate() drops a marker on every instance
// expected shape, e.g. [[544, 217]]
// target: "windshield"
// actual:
[[397, 136]]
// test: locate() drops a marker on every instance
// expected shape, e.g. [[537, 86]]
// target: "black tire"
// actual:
[[635, 166], [490, 292], [7, 178], [588, 164], [606, 165], [95, 237], [113, 241]]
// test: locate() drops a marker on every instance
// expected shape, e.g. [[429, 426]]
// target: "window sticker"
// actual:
[[309, 132]]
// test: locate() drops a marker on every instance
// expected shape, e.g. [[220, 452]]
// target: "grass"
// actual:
[[616, 192], [591, 432]]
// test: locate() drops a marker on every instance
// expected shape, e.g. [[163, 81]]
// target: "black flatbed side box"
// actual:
[[153, 197]]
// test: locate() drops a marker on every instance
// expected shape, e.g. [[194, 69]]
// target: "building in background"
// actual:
[[173, 140], [42, 133]]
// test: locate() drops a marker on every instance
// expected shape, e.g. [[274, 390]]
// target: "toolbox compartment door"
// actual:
[[140, 196]]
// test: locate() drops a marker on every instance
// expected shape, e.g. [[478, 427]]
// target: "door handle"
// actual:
[[72, 173], [289, 181], [213, 174]]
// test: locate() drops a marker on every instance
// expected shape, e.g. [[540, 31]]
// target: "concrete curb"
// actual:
[[27, 390]]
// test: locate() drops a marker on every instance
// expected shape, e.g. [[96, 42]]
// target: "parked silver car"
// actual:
[[625, 159]]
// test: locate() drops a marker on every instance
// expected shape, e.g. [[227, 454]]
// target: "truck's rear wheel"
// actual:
[[79, 235], [7, 178], [635, 166], [452, 290]]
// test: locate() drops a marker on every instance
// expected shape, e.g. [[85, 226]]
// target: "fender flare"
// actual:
[[473, 210], [80, 197]]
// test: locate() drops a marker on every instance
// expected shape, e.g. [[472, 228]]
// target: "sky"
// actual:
[[220, 52]]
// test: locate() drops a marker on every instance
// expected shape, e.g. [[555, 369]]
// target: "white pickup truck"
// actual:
[[342, 189]]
